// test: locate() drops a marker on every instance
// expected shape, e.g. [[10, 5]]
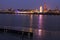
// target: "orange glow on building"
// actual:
[[45, 7]]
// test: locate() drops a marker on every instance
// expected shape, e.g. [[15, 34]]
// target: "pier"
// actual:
[[17, 30]]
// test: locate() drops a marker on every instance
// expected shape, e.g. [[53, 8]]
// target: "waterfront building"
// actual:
[[45, 8], [41, 9]]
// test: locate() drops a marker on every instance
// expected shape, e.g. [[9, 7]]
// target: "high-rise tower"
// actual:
[[41, 9], [45, 7]]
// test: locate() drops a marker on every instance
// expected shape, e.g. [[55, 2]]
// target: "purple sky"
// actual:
[[28, 4]]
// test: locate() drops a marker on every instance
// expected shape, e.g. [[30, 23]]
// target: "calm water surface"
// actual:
[[45, 27]]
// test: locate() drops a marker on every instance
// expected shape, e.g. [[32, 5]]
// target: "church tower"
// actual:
[[45, 7]]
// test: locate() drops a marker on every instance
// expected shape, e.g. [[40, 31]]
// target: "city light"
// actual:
[[41, 9], [40, 32], [40, 26]]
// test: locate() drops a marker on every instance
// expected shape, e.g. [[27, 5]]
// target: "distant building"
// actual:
[[41, 9], [54, 11], [45, 7]]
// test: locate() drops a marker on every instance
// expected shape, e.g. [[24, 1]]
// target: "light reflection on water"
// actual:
[[22, 20], [40, 32], [40, 27]]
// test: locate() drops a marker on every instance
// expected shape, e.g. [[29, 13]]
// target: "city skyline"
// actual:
[[28, 4]]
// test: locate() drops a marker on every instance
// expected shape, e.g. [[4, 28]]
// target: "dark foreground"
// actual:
[[16, 36], [17, 32]]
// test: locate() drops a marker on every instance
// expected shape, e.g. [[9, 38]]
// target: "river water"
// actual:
[[45, 27]]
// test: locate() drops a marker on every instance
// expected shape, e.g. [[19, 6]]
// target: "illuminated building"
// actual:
[[45, 7], [41, 9]]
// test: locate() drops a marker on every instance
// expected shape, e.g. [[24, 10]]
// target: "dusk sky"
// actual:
[[28, 4]]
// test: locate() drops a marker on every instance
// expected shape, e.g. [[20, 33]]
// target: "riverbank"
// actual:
[[47, 13]]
